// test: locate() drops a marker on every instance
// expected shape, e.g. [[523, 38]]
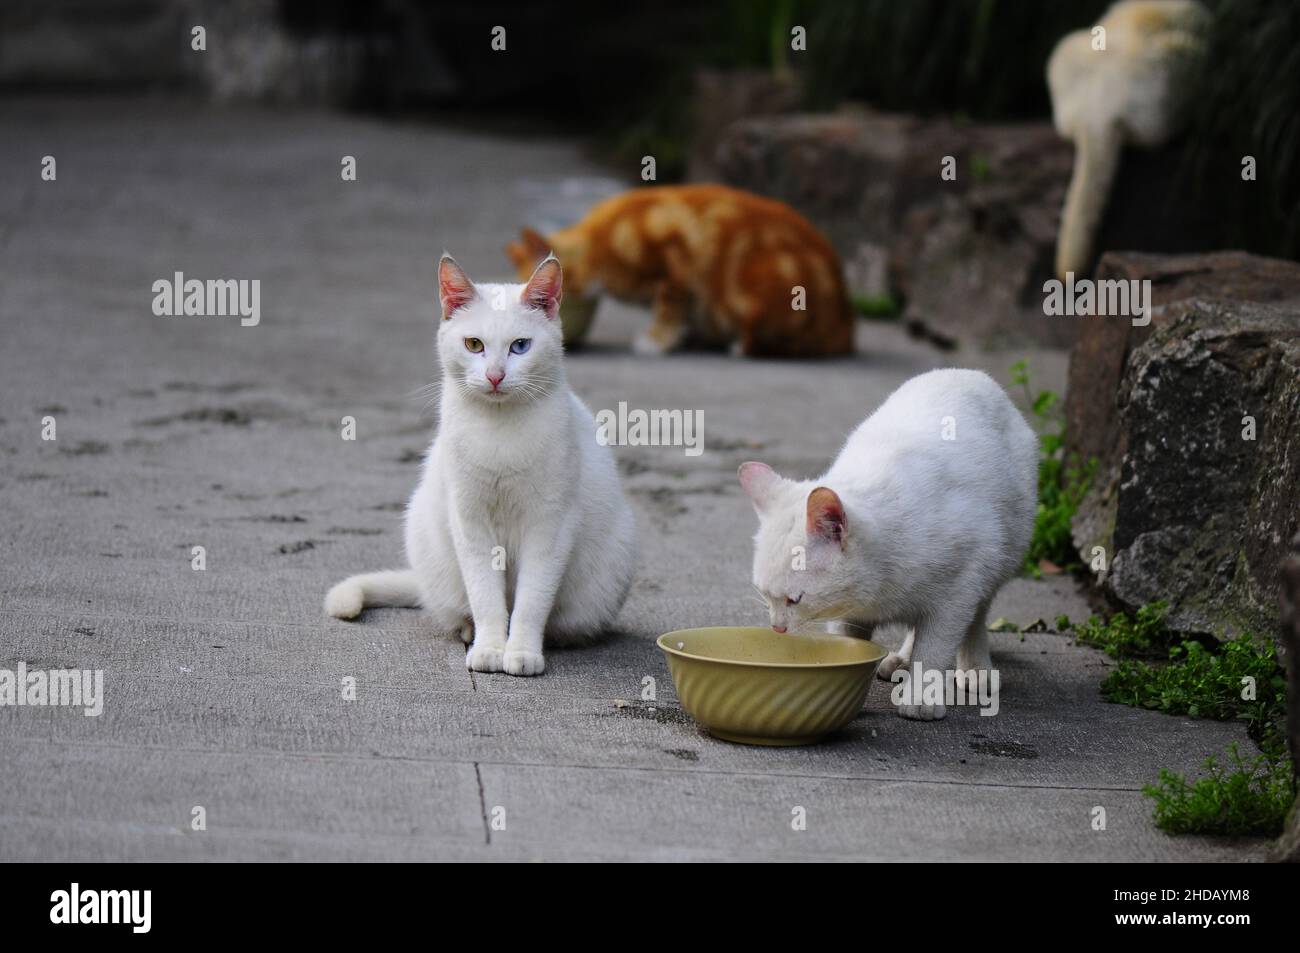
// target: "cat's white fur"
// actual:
[[907, 527], [515, 465], [1132, 92]]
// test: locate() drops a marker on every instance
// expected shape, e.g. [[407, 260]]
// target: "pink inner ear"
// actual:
[[545, 288], [757, 480], [826, 515], [455, 290]]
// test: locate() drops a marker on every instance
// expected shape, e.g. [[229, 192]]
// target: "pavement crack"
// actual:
[[482, 806]]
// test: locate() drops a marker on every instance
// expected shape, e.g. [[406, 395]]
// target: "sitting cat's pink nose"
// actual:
[[778, 628], [495, 378]]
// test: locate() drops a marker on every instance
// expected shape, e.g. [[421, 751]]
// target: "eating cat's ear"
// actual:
[[545, 287], [826, 516], [758, 480], [455, 290]]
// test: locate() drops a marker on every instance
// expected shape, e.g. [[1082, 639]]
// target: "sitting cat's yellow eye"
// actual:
[[474, 345]]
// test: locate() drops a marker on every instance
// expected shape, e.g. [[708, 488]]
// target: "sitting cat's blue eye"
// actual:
[[520, 345]]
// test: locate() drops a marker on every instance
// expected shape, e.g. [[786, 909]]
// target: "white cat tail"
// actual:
[[373, 590], [1096, 160]]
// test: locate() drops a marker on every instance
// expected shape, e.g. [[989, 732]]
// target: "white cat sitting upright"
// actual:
[[926, 512], [518, 528]]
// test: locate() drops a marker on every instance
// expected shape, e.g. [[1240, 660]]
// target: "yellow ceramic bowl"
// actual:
[[760, 687]]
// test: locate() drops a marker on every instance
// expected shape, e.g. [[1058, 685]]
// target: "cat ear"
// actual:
[[826, 515], [455, 290], [758, 480], [545, 287]]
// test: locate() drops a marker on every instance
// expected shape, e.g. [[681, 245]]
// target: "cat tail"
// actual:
[[1096, 160], [372, 590]]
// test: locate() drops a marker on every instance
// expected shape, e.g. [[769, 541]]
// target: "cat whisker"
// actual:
[[428, 393]]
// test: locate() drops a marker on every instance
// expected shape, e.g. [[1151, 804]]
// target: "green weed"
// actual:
[[1062, 483], [1242, 798], [1236, 680]]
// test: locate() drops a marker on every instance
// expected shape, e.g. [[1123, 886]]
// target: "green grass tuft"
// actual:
[[1243, 798], [1236, 680], [882, 306], [1242, 680], [1122, 636], [1062, 483]]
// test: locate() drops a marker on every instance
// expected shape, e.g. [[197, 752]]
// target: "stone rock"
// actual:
[[1186, 508], [1102, 348], [1288, 848], [839, 170], [968, 256], [721, 97]]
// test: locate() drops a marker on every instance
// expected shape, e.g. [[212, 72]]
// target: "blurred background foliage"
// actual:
[[1246, 101], [625, 75], [986, 60], [977, 59]]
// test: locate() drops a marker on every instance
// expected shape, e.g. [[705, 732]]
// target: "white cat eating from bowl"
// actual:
[[927, 511]]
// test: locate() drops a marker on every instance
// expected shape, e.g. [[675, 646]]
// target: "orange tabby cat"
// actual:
[[717, 264]]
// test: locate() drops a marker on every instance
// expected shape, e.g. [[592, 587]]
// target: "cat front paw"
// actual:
[[889, 665], [922, 712], [647, 345], [484, 658], [523, 663]]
